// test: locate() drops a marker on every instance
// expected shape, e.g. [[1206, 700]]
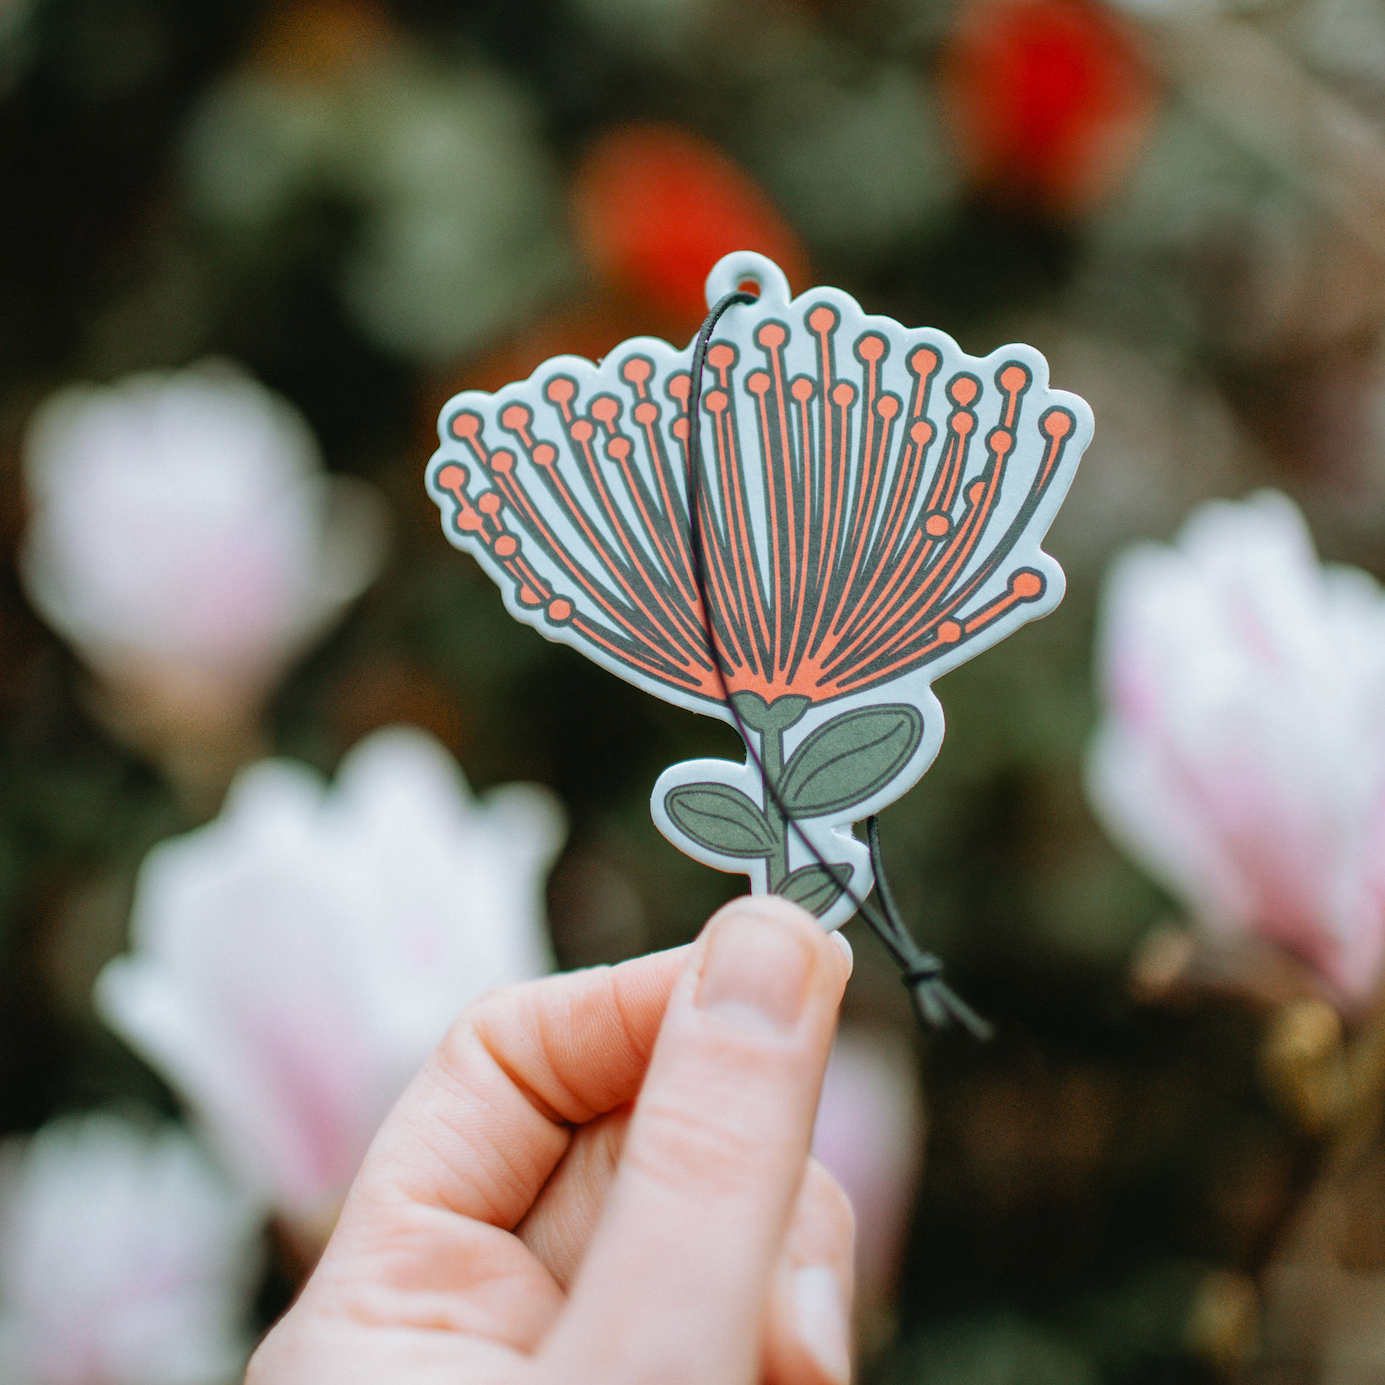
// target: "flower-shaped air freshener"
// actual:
[[869, 506]]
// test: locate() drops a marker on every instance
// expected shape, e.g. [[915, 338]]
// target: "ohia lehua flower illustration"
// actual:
[[871, 501]]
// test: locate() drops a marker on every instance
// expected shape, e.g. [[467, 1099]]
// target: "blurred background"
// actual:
[[248, 251]]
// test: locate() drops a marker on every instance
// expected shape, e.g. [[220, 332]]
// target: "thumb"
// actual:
[[676, 1282]]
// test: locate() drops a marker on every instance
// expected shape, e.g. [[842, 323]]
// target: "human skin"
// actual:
[[603, 1178]]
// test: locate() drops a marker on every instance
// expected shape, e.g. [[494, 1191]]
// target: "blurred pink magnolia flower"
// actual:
[[296, 960], [870, 1133], [184, 538], [124, 1259], [1241, 759]]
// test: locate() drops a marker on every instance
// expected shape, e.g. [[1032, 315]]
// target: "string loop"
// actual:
[[935, 1002]]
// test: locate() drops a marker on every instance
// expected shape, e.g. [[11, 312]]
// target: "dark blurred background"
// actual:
[[371, 206]]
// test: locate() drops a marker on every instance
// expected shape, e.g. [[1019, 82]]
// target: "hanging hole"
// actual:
[[749, 285]]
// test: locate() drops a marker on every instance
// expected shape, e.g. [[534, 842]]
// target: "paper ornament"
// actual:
[[870, 504]]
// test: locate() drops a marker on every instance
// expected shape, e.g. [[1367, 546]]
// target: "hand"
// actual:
[[603, 1178]]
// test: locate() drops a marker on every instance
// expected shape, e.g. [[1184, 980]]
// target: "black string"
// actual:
[[935, 1002]]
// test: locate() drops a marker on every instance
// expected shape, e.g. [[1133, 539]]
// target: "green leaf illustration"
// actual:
[[721, 819], [850, 758], [814, 887]]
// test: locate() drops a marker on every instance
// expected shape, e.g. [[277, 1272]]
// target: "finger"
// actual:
[[560, 1225], [463, 1155], [482, 1126], [676, 1282], [809, 1338]]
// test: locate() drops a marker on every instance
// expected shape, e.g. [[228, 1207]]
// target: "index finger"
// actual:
[[485, 1122], [423, 1240]]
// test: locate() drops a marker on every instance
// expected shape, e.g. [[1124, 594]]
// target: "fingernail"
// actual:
[[756, 969], [844, 943], [821, 1318]]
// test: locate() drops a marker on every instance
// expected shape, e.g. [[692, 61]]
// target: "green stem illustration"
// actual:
[[772, 757], [769, 720]]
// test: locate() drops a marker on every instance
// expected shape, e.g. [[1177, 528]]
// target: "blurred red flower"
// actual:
[[1049, 100], [655, 207]]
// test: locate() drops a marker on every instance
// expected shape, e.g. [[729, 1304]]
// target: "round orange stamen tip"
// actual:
[[502, 461], [1057, 423], [680, 386], [843, 393], [771, 335], [452, 477], [1014, 378], [680, 428], [975, 491], [559, 609], [528, 596], [506, 546], [949, 632], [1027, 585], [465, 425], [637, 370], [468, 521], [922, 432], [757, 383], [721, 356], [888, 406], [717, 401], [517, 416], [935, 526], [619, 448], [560, 390], [490, 503], [605, 409], [802, 389], [871, 348], [822, 319], [545, 454], [963, 390], [924, 361], [582, 431], [1000, 442], [962, 424], [646, 413]]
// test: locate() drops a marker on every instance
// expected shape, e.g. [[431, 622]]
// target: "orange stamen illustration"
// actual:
[[833, 578]]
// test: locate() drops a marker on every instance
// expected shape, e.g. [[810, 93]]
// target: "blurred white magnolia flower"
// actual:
[[297, 959], [871, 1134], [185, 519], [124, 1259], [186, 541], [1242, 756]]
